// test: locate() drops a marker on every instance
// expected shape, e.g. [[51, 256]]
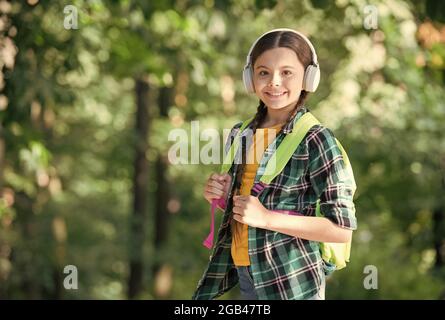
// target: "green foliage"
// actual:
[[68, 133]]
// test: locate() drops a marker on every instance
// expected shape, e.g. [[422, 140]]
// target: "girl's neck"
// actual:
[[275, 117]]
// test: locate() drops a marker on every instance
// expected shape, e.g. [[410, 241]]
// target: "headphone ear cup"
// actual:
[[311, 78], [247, 79]]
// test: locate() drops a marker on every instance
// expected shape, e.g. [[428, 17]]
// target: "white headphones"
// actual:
[[311, 74]]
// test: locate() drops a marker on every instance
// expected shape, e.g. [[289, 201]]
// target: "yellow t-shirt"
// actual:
[[262, 139]]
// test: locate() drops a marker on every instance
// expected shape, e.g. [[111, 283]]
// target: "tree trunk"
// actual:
[[3, 255], [140, 181], [439, 222], [2, 158], [162, 272], [59, 231], [439, 227], [24, 256]]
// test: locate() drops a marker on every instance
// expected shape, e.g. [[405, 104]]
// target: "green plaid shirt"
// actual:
[[285, 267]]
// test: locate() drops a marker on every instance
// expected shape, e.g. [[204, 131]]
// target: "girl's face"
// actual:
[[278, 78]]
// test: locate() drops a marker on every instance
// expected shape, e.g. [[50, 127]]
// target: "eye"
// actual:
[[262, 73], [287, 72]]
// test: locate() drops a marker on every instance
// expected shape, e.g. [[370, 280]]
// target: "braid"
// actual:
[[257, 120]]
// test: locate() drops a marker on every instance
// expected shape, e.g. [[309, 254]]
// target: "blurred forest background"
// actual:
[[85, 116]]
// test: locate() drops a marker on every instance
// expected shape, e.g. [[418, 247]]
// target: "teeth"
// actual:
[[276, 94]]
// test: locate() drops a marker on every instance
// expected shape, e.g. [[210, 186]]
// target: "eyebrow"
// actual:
[[291, 67]]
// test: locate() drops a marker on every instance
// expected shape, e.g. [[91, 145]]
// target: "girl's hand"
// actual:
[[249, 210], [217, 186]]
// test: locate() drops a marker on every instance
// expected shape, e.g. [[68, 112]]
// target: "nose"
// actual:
[[275, 81]]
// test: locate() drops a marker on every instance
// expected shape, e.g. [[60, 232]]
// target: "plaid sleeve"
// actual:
[[333, 184]]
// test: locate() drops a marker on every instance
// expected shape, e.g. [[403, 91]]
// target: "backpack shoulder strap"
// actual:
[[287, 147], [229, 157]]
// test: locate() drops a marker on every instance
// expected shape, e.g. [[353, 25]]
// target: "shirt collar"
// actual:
[[289, 127]]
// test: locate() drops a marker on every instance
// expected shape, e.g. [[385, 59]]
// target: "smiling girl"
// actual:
[[269, 239]]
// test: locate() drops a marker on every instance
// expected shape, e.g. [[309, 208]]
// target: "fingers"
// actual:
[[212, 183], [225, 177], [217, 183], [213, 192], [239, 204], [217, 186], [221, 178], [227, 181], [240, 199], [238, 210]]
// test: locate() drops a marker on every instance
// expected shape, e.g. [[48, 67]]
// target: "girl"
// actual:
[[269, 238]]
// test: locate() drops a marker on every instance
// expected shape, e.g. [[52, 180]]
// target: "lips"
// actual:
[[276, 94]]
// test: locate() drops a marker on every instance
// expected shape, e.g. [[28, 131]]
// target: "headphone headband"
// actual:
[[314, 54]]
